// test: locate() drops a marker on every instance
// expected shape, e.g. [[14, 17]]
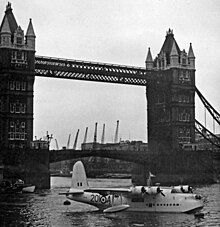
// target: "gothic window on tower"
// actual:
[[17, 107], [19, 40], [12, 85], [186, 98], [17, 130], [184, 135], [184, 61], [183, 98], [22, 131], [184, 77], [23, 86], [11, 130], [17, 85], [19, 58], [19, 55], [12, 107], [184, 115], [13, 54], [22, 107]]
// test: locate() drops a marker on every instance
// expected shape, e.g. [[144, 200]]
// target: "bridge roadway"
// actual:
[[89, 71], [130, 156]]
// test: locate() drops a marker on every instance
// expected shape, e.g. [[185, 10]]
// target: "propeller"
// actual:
[[190, 189], [143, 190], [160, 191]]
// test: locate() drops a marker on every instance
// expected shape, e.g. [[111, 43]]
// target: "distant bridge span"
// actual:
[[131, 156]]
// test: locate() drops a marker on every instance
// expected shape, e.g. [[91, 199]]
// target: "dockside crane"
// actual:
[[68, 142], [95, 133], [116, 132], [75, 142], [103, 135], [85, 137], [57, 147]]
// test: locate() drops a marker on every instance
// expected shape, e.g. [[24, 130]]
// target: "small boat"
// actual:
[[28, 189], [25, 188], [18, 187]]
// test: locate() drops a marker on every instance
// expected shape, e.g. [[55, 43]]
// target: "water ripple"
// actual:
[[45, 208]]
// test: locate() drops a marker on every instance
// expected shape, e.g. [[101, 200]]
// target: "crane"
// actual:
[[75, 142], [103, 135], [68, 142], [85, 137], [57, 147], [116, 132], [95, 133]]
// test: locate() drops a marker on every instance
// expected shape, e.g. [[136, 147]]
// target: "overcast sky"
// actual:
[[119, 32]]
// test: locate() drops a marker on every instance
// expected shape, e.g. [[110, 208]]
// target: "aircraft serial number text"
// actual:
[[95, 198]]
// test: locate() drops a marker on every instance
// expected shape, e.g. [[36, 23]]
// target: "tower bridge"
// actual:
[[170, 91]]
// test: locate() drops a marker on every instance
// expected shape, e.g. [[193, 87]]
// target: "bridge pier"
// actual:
[[180, 167], [37, 170], [30, 165]]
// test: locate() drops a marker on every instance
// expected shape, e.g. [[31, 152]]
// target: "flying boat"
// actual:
[[176, 199]]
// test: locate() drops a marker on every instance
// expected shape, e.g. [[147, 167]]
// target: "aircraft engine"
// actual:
[[154, 190], [141, 190], [138, 190], [182, 189]]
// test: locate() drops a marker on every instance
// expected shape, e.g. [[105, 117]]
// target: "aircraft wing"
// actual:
[[72, 192], [107, 191]]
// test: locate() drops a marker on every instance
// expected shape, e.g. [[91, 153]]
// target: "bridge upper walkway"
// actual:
[[90, 71]]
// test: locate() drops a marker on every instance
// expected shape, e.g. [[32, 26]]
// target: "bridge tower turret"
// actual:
[[149, 60], [30, 36], [17, 63], [191, 57], [170, 97]]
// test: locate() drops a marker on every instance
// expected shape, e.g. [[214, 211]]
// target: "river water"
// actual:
[[46, 208]]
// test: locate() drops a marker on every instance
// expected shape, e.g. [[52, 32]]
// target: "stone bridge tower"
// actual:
[[17, 62], [170, 97], [171, 118], [17, 74]]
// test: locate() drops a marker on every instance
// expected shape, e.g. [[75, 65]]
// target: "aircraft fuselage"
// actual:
[[168, 202]]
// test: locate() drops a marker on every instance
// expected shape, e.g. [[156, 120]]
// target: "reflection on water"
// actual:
[[46, 208]]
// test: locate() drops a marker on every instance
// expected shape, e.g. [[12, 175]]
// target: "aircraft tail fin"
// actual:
[[79, 179]]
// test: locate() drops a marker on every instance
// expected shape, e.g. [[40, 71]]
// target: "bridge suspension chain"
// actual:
[[208, 106], [208, 135]]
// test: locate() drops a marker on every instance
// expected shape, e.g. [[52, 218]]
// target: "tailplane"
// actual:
[[79, 179]]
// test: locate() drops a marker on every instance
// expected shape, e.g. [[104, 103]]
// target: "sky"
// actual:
[[118, 32]]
